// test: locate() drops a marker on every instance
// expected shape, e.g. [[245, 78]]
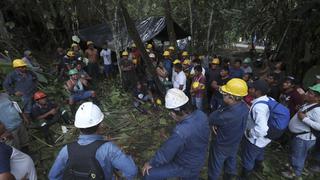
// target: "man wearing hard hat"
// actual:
[[21, 83], [75, 160], [228, 125], [184, 153], [128, 71]]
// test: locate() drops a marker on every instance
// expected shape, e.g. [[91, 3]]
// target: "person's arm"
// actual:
[[8, 84], [313, 120], [6, 176], [122, 162], [70, 86], [45, 115], [181, 81], [260, 115], [84, 82], [57, 169], [168, 150]]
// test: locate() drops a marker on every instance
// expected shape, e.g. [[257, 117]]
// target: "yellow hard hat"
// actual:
[[70, 54], [171, 48], [125, 53], [215, 61], [149, 46], [135, 61], [236, 87], [186, 62], [166, 53], [133, 45], [158, 101], [177, 61], [201, 57], [18, 63], [89, 42], [74, 45], [185, 53]]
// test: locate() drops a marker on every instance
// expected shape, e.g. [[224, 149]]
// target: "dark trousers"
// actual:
[[250, 154], [93, 70]]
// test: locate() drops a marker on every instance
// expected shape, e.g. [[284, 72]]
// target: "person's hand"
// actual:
[[18, 93], [214, 129], [6, 136], [53, 111], [301, 115], [145, 169]]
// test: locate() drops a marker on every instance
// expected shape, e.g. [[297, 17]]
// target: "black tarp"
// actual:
[[148, 28]]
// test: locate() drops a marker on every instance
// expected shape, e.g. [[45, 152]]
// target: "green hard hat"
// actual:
[[247, 60], [72, 72], [315, 88]]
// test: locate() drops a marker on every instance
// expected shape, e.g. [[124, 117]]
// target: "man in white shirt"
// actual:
[[180, 80], [107, 62], [257, 128], [304, 125]]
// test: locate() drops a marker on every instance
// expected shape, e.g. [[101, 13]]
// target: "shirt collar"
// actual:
[[90, 137], [262, 98]]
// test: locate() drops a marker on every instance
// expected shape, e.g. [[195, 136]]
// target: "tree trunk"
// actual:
[[3, 30], [169, 22], [137, 40], [191, 23], [209, 29]]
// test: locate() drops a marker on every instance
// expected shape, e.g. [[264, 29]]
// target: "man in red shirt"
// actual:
[[290, 97], [92, 54]]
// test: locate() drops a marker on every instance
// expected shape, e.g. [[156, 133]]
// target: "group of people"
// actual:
[[242, 112]]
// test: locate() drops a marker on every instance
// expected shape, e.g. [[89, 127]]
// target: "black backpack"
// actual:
[[82, 163], [316, 133]]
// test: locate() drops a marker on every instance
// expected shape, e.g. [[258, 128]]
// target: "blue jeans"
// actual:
[[250, 154], [218, 160], [197, 101], [108, 69], [169, 171], [82, 95], [316, 150], [299, 152]]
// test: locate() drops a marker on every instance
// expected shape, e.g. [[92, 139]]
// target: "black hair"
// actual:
[[178, 66], [198, 68], [225, 68], [185, 109], [90, 130], [197, 60], [238, 60]]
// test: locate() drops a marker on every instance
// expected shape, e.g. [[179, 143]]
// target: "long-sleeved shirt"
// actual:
[[257, 126], [187, 146], [311, 120], [231, 124], [9, 115], [17, 81], [108, 155]]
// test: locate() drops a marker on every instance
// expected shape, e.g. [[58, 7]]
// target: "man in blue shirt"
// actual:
[[228, 125], [184, 153], [236, 71], [21, 83], [88, 119]]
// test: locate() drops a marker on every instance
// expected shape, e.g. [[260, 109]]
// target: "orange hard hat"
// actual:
[[39, 95]]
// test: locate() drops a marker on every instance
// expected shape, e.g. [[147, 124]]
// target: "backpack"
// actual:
[[315, 132], [82, 163], [278, 120]]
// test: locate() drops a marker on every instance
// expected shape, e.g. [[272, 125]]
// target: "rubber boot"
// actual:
[[227, 176]]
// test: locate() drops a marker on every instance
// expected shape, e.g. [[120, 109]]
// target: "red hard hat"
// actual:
[[39, 95]]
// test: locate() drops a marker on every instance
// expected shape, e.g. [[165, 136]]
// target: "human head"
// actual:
[[224, 72], [313, 94], [171, 49], [246, 77], [20, 65], [234, 91], [88, 118], [73, 73], [271, 79], [105, 45], [185, 54], [215, 63], [177, 67], [198, 70], [139, 85], [260, 88], [60, 51], [237, 63], [289, 83], [280, 66], [27, 53], [71, 54], [166, 54], [90, 44], [196, 62], [125, 54], [177, 102], [40, 97], [317, 79]]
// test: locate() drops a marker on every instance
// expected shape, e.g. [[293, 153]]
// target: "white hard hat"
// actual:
[[88, 115], [76, 39], [175, 98], [151, 55]]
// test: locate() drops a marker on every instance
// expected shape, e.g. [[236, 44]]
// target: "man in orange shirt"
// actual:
[[92, 54]]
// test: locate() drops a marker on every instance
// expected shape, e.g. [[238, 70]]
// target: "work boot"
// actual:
[[245, 174], [258, 167], [227, 176]]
